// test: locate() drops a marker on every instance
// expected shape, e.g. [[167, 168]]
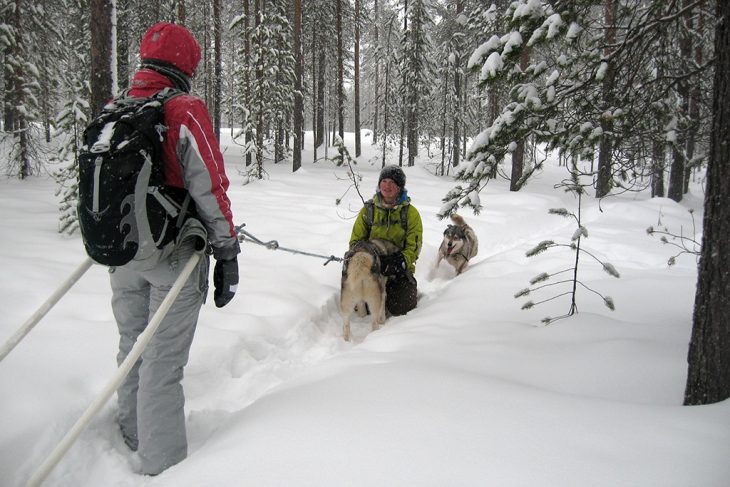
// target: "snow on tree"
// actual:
[[560, 97]]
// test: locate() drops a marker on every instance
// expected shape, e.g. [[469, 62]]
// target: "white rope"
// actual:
[[45, 308], [144, 338]]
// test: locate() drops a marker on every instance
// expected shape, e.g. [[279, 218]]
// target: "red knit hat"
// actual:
[[173, 44]]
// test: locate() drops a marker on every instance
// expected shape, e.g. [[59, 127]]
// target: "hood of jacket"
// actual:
[[172, 44]]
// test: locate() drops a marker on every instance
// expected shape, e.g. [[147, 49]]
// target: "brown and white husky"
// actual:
[[459, 245], [363, 285]]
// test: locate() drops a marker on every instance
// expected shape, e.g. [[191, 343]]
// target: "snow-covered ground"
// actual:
[[466, 390]]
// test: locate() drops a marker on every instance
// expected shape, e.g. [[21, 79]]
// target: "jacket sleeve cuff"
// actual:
[[228, 252]]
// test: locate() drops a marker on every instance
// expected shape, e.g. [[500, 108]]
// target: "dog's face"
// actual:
[[454, 238]]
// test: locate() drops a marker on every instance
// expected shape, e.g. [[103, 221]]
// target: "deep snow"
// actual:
[[466, 390]]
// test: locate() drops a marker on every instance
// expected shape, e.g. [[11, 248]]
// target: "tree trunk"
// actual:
[[676, 174], [518, 165], [413, 132], [340, 75], [357, 78], [321, 130], [694, 106], [11, 74], [123, 34], [464, 103], [101, 54], [444, 103], [657, 176], [518, 156], [659, 146], [679, 156], [406, 112], [248, 134], [203, 72], [218, 67], [492, 104], [605, 151], [386, 91], [376, 47], [298, 101], [708, 378], [457, 95], [260, 122], [315, 88], [182, 13], [23, 149], [278, 142]]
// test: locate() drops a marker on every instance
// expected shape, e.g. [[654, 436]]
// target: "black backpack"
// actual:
[[125, 211]]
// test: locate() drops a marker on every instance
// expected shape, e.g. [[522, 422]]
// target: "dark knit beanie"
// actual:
[[395, 173]]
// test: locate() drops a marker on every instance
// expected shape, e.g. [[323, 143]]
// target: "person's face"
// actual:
[[389, 190]]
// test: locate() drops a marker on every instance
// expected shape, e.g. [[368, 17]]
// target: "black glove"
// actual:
[[225, 281], [393, 265]]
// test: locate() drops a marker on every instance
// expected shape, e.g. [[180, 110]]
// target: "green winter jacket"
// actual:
[[387, 225]]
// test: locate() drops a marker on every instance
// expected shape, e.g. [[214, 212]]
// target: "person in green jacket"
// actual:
[[391, 216]]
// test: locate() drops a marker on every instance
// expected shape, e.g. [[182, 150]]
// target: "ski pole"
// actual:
[[142, 340], [45, 308]]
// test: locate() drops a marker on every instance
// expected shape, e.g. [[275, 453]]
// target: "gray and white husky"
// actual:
[[459, 245], [363, 285]]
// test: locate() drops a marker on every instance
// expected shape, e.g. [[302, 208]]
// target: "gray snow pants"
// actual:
[[151, 400]]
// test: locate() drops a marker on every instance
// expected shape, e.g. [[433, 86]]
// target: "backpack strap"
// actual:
[[404, 218], [162, 96], [166, 94], [370, 216], [185, 211]]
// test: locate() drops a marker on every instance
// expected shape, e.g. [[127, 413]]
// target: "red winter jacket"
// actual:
[[193, 160]]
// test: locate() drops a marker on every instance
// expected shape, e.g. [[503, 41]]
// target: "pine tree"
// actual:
[[101, 54], [319, 19], [708, 377], [419, 70], [388, 90], [573, 282], [266, 80], [298, 94], [23, 20], [72, 118], [451, 38], [561, 97]]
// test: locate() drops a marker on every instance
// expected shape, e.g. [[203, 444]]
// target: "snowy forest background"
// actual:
[[625, 85], [622, 91]]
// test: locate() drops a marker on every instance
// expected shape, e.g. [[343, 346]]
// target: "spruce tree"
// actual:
[[560, 98], [73, 115], [23, 21]]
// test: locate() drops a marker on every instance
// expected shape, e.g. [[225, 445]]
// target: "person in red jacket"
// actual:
[[151, 400]]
